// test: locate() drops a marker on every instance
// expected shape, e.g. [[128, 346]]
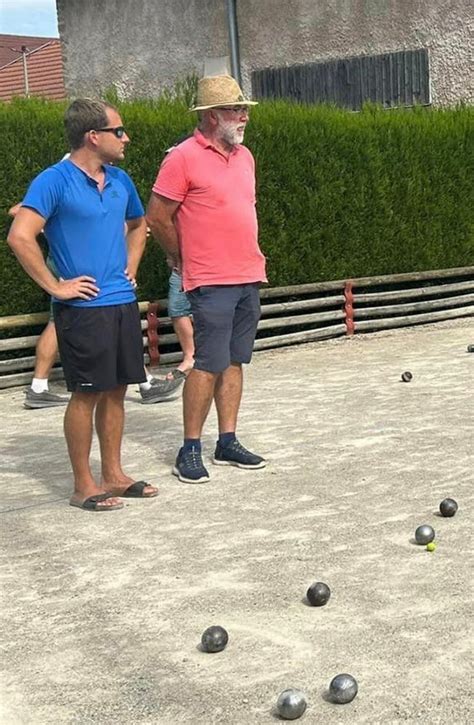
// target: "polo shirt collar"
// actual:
[[206, 144], [88, 178]]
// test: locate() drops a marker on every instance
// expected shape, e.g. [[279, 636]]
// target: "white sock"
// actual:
[[39, 385], [147, 385]]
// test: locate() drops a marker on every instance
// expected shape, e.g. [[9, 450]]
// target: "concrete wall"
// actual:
[[138, 46], [312, 30], [142, 45]]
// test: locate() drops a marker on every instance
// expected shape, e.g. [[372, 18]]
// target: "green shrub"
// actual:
[[339, 194], [358, 194]]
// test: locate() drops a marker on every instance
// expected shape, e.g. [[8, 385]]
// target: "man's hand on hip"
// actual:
[[82, 287]]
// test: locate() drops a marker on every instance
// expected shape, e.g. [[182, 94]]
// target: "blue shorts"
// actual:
[[178, 303], [225, 319]]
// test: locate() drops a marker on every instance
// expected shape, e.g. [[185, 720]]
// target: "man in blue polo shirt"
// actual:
[[83, 204]]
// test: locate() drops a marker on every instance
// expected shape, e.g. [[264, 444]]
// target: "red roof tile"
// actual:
[[10, 46], [45, 74]]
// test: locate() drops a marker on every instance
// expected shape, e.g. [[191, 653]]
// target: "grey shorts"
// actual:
[[225, 321], [178, 303]]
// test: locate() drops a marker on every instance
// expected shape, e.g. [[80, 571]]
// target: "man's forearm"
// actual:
[[167, 237], [29, 255], [136, 241], [22, 240]]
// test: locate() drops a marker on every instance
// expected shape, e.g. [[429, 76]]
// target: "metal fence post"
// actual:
[[348, 307], [152, 333]]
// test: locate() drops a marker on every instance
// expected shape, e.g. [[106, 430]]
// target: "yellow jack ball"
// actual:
[[431, 546]]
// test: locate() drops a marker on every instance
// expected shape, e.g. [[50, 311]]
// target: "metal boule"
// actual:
[[291, 704]]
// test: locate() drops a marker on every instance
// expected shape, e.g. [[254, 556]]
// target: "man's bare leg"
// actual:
[[109, 421], [197, 398], [38, 394], [183, 328], [78, 431], [199, 390], [46, 351], [228, 394]]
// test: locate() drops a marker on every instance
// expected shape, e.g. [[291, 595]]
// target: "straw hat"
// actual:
[[216, 91]]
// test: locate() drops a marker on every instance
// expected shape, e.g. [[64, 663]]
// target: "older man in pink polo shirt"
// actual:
[[202, 210]]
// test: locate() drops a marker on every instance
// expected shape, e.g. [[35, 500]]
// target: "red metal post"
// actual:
[[152, 333], [348, 307]]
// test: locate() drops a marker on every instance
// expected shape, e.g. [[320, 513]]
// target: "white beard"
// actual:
[[230, 133]]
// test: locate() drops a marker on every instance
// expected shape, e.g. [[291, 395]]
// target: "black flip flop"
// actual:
[[136, 491], [91, 503]]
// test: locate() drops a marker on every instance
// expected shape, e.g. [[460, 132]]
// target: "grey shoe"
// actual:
[[160, 390], [44, 399]]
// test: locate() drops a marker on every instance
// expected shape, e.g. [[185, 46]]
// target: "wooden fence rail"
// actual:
[[290, 315]]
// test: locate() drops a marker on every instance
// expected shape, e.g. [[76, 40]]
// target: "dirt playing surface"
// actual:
[[103, 613]]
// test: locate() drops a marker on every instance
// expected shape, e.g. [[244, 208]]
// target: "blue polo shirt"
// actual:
[[85, 228]]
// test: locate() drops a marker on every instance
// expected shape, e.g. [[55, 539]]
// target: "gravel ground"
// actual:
[[102, 614]]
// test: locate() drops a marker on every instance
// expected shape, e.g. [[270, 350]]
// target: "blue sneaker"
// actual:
[[234, 454], [189, 466]]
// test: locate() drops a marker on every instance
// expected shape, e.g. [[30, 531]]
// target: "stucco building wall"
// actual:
[[140, 46]]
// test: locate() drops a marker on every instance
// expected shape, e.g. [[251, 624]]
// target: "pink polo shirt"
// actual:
[[216, 220]]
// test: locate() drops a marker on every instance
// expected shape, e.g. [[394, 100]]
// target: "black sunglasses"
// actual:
[[118, 131]]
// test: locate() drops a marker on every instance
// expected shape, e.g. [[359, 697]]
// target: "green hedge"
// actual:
[[339, 194]]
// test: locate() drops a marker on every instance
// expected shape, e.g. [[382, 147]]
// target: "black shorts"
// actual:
[[100, 347], [225, 319]]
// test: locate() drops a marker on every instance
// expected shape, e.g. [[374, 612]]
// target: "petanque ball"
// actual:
[[470, 348], [342, 689], [318, 594], [214, 639], [291, 704], [424, 534], [448, 507], [407, 376]]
